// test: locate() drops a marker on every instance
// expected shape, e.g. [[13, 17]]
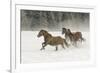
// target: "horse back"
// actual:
[[77, 35], [56, 40]]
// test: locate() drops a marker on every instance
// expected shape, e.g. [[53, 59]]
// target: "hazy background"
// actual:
[[33, 20]]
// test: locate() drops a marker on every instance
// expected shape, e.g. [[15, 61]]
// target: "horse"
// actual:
[[51, 40], [74, 37]]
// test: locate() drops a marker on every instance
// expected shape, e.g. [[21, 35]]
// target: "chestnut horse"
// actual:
[[51, 40], [74, 37]]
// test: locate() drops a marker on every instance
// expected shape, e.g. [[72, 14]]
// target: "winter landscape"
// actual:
[[33, 21]]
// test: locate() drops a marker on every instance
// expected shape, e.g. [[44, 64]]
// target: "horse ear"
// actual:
[[69, 31], [43, 31], [64, 28]]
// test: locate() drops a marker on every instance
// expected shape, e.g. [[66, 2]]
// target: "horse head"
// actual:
[[68, 31], [63, 30], [41, 33]]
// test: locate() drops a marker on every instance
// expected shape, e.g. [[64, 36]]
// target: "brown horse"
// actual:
[[51, 40], [73, 36]]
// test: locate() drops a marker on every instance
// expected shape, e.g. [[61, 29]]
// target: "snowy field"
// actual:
[[31, 53]]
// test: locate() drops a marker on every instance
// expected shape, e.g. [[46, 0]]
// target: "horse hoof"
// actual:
[[56, 50], [41, 49]]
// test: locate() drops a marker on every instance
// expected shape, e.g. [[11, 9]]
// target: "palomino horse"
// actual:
[[73, 36], [51, 40]]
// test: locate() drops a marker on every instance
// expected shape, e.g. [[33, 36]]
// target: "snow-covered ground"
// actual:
[[31, 53]]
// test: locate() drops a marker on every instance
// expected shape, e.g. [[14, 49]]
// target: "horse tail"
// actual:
[[66, 43], [83, 39]]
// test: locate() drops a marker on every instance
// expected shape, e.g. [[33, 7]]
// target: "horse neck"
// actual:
[[70, 35], [47, 36]]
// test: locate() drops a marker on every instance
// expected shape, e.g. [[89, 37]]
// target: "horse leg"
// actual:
[[56, 48], [72, 42], [43, 46], [62, 46], [81, 41], [75, 44]]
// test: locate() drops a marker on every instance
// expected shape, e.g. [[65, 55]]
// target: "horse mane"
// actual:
[[70, 32], [46, 33], [64, 29]]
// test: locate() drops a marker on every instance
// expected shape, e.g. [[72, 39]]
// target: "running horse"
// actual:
[[51, 40], [74, 37]]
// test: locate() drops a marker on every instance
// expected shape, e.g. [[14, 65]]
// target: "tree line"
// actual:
[[36, 20]]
